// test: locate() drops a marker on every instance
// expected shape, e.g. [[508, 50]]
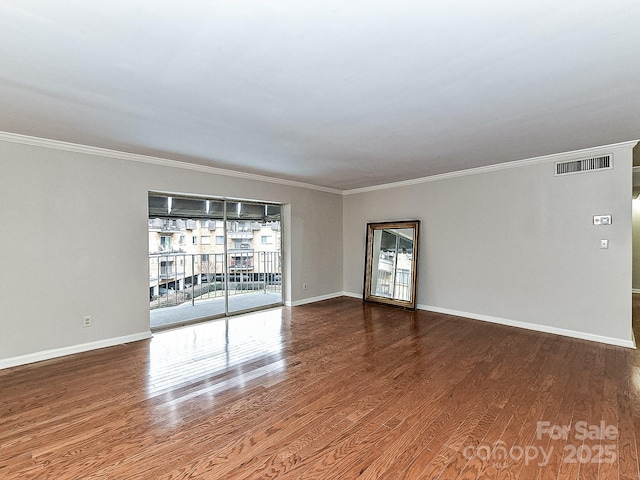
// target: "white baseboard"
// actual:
[[61, 352], [533, 326], [514, 323], [352, 295], [635, 290], [304, 301]]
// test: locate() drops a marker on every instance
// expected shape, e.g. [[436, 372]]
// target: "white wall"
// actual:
[[636, 222], [515, 245], [74, 243], [636, 245]]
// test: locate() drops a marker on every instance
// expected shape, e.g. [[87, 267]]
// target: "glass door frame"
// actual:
[[279, 252]]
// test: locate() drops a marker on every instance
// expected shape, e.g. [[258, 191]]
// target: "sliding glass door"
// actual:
[[212, 257], [253, 255]]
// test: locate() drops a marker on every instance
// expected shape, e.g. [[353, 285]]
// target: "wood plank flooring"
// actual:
[[332, 390]]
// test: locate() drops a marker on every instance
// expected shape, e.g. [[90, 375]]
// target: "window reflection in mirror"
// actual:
[[390, 275]]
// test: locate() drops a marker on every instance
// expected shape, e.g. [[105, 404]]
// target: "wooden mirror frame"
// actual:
[[368, 296]]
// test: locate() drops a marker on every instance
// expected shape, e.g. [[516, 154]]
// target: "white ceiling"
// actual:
[[343, 94]]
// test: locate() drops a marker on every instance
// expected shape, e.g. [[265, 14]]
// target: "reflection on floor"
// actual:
[[219, 345], [331, 390], [175, 316]]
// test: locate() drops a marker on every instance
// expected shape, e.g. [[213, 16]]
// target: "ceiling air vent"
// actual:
[[585, 165]]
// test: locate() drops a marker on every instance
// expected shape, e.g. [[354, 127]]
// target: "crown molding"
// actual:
[[555, 157], [165, 162]]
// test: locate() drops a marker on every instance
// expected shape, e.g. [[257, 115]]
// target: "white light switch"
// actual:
[[602, 219], [604, 243]]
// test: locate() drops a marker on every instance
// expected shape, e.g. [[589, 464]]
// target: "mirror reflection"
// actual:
[[390, 275], [393, 250]]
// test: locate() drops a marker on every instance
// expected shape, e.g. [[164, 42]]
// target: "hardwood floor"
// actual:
[[332, 390]]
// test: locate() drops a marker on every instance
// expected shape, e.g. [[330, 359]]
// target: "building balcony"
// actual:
[[162, 250], [164, 225], [240, 235], [240, 268], [167, 274], [184, 269], [246, 251]]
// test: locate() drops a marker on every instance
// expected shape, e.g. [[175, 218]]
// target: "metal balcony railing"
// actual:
[[390, 287], [177, 278]]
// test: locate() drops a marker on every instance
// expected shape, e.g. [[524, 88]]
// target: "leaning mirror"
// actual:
[[391, 263]]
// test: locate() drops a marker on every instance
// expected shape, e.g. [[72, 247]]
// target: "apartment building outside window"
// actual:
[[239, 269]]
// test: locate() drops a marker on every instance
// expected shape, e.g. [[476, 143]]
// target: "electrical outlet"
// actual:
[[86, 321], [304, 286]]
